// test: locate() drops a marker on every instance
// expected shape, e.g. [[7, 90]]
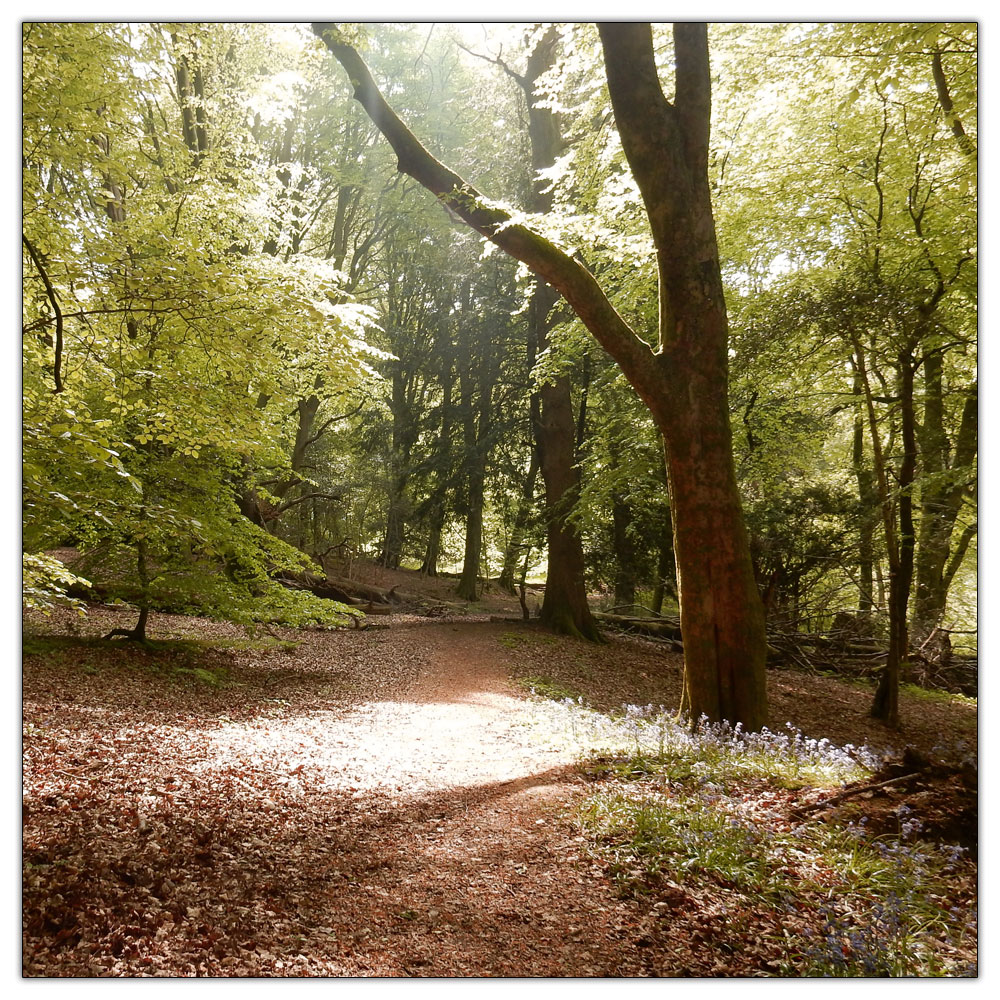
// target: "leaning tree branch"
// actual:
[[958, 555], [288, 504], [50, 293], [948, 107], [577, 285], [496, 61]]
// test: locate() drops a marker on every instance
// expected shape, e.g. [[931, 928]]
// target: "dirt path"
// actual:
[[417, 832], [467, 869], [363, 803]]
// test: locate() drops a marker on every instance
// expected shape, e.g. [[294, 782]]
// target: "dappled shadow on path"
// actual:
[[407, 825], [477, 880]]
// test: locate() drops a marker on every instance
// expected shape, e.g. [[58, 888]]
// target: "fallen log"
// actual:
[[362, 591], [377, 609], [662, 628]]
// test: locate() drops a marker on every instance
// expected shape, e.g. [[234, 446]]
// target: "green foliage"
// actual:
[[163, 343], [207, 210], [44, 582]]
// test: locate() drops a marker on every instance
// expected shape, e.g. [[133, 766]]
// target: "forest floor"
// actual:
[[392, 801]]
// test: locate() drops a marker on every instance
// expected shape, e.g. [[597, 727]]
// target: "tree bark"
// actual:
[[514, 550], [404, 434], [666, 569], [684, 382], [897, 521], [564, 608], [476, 381], [941, 496], [722, 619], [867, 503], [624, 546]]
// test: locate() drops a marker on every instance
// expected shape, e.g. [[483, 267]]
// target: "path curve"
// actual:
[[459, 859]]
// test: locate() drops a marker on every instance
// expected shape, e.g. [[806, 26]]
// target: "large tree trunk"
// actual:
[[683, 382], [722, 618], [564, 607]]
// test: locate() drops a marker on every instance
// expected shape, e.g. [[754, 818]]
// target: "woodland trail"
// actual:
[[413, 832], [380, 802], [467, 869]]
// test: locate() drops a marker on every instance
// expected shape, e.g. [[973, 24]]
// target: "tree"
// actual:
[[144, 410], [564, 607], [859, 211], [684, 380]]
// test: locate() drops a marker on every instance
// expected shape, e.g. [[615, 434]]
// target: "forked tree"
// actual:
[[682, 377]]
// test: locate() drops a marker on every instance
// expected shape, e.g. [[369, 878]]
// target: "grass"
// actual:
[[935, 695], [710, 807]]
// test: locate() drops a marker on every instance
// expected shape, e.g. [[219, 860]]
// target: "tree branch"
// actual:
[[496, 61], [958, 555], [340, 416], [948, 107], [50, 293], [693, 83], [577, 285], [278, 511]]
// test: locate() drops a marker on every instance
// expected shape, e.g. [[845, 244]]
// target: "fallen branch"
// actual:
[[851, 792]]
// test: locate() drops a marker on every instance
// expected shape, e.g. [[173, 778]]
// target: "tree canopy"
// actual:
[[679, 319]]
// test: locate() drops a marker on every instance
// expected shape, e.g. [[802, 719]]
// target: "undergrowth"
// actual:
[[711, 804]]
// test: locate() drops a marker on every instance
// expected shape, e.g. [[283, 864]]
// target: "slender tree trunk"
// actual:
[[142, 569], [443, 475], [432, 553], [468, 584], [564, 607], [941, 497], [403, 435], [867, 504], [476, 423], [624, 546], [515, 548], [897, 519], [666, 571]]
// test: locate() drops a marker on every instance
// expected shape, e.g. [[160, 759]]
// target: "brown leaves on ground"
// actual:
[[361, 803]]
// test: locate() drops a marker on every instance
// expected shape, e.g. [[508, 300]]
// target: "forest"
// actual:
[[489, 478]]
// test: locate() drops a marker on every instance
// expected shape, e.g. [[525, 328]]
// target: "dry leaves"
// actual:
[[364, 803]]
